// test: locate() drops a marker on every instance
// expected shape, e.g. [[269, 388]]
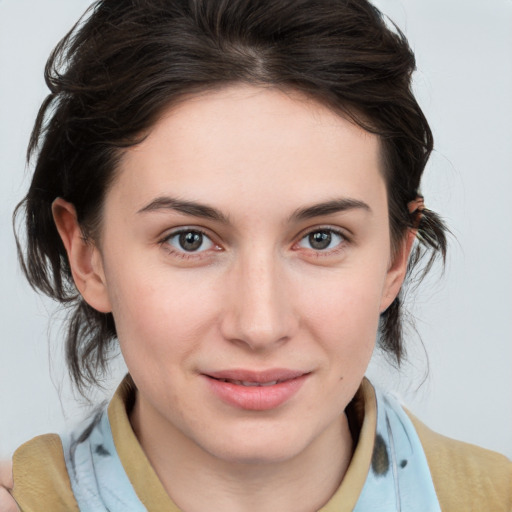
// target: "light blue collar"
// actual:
[[399, 479], [98, 479]]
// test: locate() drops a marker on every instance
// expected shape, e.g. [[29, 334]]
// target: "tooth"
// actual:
[[251, 384], [255, 384]]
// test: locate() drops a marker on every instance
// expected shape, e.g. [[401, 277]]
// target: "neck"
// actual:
[[197, 480]]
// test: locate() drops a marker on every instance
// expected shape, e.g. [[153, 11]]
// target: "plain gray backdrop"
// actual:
[[464, 85]]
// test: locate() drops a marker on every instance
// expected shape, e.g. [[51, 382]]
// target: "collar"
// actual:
[[388, 471]]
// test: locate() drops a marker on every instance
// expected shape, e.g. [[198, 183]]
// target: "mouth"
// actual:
[[251, 378], [251, 383], [256, 391]]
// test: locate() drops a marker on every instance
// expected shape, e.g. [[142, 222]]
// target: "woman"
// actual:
[[231, 190]]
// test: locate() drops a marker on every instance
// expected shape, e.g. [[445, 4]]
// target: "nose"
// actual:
[[258, 313]]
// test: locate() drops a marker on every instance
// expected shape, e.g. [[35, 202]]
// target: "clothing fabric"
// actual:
[[98, 479], [399, 479], [398, 465]]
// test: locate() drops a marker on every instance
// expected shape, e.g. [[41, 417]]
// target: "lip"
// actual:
[[269, 390]]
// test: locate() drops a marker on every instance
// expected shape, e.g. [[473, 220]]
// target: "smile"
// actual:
[[248, 383], [256, 391]]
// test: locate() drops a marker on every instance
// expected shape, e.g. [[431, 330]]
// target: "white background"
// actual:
[[464, 84]]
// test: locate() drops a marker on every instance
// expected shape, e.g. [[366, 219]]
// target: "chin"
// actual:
[[266, 445], [256, 454]]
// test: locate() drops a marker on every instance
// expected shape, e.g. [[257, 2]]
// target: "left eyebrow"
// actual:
[[191, 208], [328, 208]]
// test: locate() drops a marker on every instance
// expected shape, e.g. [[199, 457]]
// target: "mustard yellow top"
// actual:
[[466, 478]]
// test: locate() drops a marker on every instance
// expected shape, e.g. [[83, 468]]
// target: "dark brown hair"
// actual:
[[126, 61]]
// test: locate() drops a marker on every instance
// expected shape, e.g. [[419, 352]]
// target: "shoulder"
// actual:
[[41, 481], [466, 477]]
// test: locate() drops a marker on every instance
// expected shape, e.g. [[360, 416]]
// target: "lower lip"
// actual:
[[256, 398]]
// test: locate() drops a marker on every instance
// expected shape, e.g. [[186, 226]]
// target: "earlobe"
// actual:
[[83, 255], [396, 272]]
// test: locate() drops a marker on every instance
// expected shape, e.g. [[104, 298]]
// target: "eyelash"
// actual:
[[183, 254]]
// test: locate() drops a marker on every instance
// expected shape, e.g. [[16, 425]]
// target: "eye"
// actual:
[[322, 240], [189, 240]]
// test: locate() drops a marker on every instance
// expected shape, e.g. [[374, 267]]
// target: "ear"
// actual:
[[396, 272], [83, 255]]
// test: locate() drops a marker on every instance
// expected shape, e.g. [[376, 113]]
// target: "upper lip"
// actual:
[[270, 375]]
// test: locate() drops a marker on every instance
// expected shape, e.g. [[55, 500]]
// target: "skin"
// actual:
[[7, 503], [255, 295]]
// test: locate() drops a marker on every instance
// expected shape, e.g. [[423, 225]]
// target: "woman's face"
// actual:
[[245, 256]]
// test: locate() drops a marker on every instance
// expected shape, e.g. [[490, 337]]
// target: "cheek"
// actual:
[[159, 314], [345, 314]]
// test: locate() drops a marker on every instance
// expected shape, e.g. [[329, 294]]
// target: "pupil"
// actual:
[[320, 239], [191, 241]]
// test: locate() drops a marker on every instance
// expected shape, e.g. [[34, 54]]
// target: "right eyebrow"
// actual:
[[330, 208], [192, 208]]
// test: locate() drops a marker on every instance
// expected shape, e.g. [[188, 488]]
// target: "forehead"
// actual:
[[245, 143]]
